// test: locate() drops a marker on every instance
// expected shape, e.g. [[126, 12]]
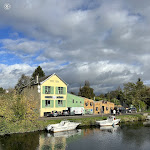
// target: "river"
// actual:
[[130, 136]]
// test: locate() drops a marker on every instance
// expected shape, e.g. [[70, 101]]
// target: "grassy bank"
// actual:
[[27, 126]]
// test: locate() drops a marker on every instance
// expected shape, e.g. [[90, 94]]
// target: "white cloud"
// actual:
[[22, 45], [10, 74], [104, 42]]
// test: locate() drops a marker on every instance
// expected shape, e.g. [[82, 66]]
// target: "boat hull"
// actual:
[[108, 123], [62, 126], [61, 129]]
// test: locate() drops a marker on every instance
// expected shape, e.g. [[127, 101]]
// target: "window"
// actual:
[[60, 90], [73, 100], [47, 103], [96, 108], [80, 102], [91, 103], [106, 108], [60, 102], [86, 104], [76, 101], [47, 89]]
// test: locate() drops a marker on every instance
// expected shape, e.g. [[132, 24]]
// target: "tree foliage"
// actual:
[[2, 91], [38, 71], [18, 110], [136, 94], [22, 82], [86, 91]]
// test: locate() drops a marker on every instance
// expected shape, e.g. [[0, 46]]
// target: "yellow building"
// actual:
[[97, 107], [106, 107], [88, 106], [53, 95], [50, 94]]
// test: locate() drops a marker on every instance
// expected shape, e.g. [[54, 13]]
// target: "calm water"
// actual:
[[125, 137]]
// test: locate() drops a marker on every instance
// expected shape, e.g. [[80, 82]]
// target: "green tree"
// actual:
[[115, 101], [38, 71], [86, 91], [2, 91], [135, 94]]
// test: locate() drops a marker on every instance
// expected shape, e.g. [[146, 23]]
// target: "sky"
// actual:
[[106, 42]]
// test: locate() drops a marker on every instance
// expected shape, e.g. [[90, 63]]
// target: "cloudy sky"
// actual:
[[104, 41]]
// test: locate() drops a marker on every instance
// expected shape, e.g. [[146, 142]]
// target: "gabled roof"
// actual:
[[43, 79]]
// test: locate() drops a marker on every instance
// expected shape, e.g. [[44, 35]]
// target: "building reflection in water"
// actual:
[[59, 140]]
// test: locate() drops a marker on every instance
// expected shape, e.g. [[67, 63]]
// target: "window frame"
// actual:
[[47, 103], [60, 90], [47, 89], [91, 103], [60, 103]]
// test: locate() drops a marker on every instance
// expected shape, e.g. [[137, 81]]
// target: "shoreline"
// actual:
[[39, 125]]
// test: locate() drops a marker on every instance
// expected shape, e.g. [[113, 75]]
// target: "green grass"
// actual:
[[27, 126], [131, 118]]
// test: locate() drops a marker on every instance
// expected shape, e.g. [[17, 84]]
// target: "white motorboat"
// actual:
[[111, 121], [148, 117], [62, 126]]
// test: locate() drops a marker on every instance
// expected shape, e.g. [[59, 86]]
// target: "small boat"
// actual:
[[111, 121], [62, 126], [148, 117]]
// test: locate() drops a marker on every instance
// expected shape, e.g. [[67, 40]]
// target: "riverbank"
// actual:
[[27, 126]]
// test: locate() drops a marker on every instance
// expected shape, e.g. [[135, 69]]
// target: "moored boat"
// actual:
[[111, 120], [148, 117], [62, 126]]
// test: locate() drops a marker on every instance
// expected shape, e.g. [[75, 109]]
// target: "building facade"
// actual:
[[103, 107], [75, 104], [88, 106], [53, 95]]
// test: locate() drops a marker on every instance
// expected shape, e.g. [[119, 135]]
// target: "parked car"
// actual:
[[54, 114], [65, 113], [132, 110]]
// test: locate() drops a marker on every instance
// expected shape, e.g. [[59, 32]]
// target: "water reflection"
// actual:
[[146, 123], [110, 128], [59, 140], [127, 136]]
